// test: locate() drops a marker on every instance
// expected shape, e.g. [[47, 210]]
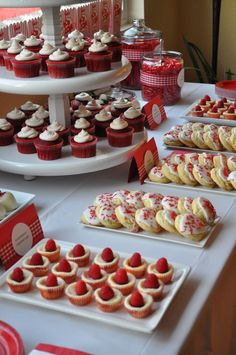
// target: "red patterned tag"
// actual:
[[19, 234], [155, 112], [144, 158]]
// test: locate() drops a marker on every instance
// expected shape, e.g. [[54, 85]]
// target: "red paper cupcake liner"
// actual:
[[25, 146], [100, 128], [43, 58], [16, 123], [79, 58], [120, 139], [98, 62], [26, 69], [6, 137], [61, 69], [116, 52], [48, 152], [136, 123], [83, 150]]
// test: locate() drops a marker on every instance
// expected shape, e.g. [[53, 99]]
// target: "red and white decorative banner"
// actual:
[[83, 20], [105, 12], [155, 112], [94, 17], [115, 18]]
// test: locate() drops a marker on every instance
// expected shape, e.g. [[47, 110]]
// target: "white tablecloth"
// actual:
[[202, 317]]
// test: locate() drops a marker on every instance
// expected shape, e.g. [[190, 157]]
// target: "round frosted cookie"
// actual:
[[198, 140], [156, 175], [177, 128], [119, 196], [206, 160], [185, 205], [170, 203], [203, 176], [233, 138], [135, 198], [145, 217], [210, 127], [166, 219], [224, 136], [176, 158], [171, 138], [220, 176], [220, 161], [126, 216], [185, 172], [187, 126], [211, 138], [191, 158], [153, 200], [196, 126], [170, 171], [191, 226], [7, 199], [185, 136], [103, 198], [204, 209], [89, 217], [231, 163], [107, 216], [232, 178]]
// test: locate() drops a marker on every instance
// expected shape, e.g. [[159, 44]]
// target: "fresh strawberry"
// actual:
[[230, 109], [135, 260], [80, 288], [121, 277], [95, 272], [50, 245], [207, 98], [234, 104], [214, 109], [224, 99], [202, 102], [51, 281], [106, 293], [151, 281], [107, 255], [17, 275], [162, 265], [64, 266], [197, 108], [78, 250], [136, 299], [36, 259], [220, 104]]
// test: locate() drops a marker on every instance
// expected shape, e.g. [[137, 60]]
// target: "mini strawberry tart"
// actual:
[[6, 132], [94, 276], [209, 100], [162, 269], [79, 255], [29, 108], [77, 49], [79, 293], [48, 145], [204, 105], [33, 44], [122, 281], [119, 106], [230, 114], [83, 98], [197, 111], [213, 112], [16, 118], [14, 49], [108, 299], [65, 269], [113, 44], [51, 287], [135, 265], [221, 106], [102, 121], [61, 130], [151, 286], [4, 45], [60, 65], [37, 264], [135, 118], [138, 305], [20, 280], [98, 58], [83, 145], [82, 123], [25, 140], [107, 260], [51, 250], [26, 64], [119, 133], [35, 122], [44, 53], [82, 112]]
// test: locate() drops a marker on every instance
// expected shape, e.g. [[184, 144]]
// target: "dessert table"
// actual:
[[201, 318]]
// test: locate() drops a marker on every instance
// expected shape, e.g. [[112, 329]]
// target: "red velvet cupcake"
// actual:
[[98, 58], [36, 123], [14, 49], [44, 54], [26, 64], [25, 140], [82, 112], [4, 45], [83, 145], [135, 118], [80, 124], [119, 133], [33, 44], [76, 49], [20, 37], [60, 65], [119, 106], [48, 145], [102, 121], [94, 106], [16, 118], [83, 98], [61, 130], [29, 108], [113, 44], [6, 132], [42, 113]]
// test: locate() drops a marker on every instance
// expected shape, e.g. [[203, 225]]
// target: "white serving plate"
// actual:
[[119, 318], [22, 199], [207, 120], [195, 149]]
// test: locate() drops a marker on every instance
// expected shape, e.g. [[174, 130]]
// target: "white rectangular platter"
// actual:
[[195, 149], [119, 318], [218, 121], [22, 199]]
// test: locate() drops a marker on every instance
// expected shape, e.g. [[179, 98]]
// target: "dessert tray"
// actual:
[[196, 149], [22, 199], [10, 340], [119, 318]]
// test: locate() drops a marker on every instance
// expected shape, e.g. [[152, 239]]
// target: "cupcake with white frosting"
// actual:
[[14, 49], [76, 34], [119, 106], [42, 113], [26, 64], [60, 65], [82, 112], [98, 58], [33, 44], [102, 120], [20, 37], [76, 47], [48, 145], [82, 123], [61, 130], [83, 97], [44, 54], [113, 44], [6, 132], [4, 45], [35, 122], [17, 118], [29, 108], [135, 118], [94, 106], [83, 145], [119, 133], [25, 140]]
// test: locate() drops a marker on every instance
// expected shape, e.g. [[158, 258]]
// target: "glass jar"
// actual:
[[137, 41], [162, 74]]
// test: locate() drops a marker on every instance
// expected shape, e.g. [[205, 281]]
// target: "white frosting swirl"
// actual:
[[27, 132], [28, 105], [56, 127], [15, 114], [76, 34], [83, 137], [81, 123], [97, 47], [42, 113], [59, 55], [93, 105], [15, 47], [82, 112], [20, 37], [118, 124], [132, 113], [79, 46], [4, 125], [25, 55], [34, 121], [103, 116], [32, 41], [99, 34], [121, 103], [75, 44], [83, 96], [47, 49], [49, 136], [4, 44], [107, 37]]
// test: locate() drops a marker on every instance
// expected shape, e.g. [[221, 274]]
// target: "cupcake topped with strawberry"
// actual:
[[136, 265], [94, 276], [122, 281], [79, 254], [20, 280], [37, 264], [108, 299], [107, 260], [51, 250], [79, 293], [51, 287], [65, 269], [152, 286], [162, 269], [138, 305]]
